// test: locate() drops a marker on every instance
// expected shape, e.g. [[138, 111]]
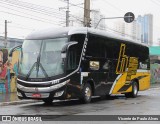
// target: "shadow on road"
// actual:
[[74, 102]]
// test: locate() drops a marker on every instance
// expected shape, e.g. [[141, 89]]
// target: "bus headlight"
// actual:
[[57, 94]]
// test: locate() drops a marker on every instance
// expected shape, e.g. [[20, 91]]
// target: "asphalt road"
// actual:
[[147, 103]]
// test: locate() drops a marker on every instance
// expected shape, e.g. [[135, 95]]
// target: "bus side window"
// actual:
[[95, 47], [72, 58]]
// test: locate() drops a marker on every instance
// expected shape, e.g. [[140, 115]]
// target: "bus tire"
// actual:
[[134, 92], [108, 96], [86, 93], [134, 89], [127, 95], [48, 100]]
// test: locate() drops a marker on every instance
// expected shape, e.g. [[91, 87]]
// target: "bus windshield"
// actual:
[[42, 58]]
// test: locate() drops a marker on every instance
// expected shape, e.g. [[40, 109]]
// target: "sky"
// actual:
[[26, 16]]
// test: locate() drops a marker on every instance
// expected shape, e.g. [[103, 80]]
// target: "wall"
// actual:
[[8, 71], [155, 73]]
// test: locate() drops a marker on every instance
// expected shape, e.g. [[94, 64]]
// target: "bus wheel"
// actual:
[[48, 100], [134, 89], [86, 93], [134, 92]]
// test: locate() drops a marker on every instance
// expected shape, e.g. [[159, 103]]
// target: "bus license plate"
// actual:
[[36, 95]]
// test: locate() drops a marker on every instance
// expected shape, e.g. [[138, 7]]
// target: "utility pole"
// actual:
[[67, 14], [5, 34], [87, 13]]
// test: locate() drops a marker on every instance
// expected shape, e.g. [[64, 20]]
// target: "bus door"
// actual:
[[95, 55]]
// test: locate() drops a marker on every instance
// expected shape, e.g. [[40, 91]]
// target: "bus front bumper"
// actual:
[[57, 90]]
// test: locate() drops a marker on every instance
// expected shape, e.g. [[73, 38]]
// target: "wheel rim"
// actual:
[[135, 89], [87, 93]]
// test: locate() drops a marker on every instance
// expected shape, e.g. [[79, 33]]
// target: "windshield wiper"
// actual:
[[40, 65], [37, 65], [29, 73], [43, 70]]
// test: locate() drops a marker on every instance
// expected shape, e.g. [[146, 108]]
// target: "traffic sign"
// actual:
[[129, 17]]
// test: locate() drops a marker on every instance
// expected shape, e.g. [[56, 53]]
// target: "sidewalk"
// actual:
[[12, 99], [155, 85]]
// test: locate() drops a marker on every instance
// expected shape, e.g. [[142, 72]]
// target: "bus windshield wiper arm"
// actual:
[[40, 65], [37, 65], [31, 70], [43, 70]]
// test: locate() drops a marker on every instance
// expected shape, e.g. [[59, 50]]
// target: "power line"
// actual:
[[14, 5], [155, 2], [113, 6], [10, 3], [76, 5], [26, 17], [77, 18], [49, 13], [19, 27], [31, 6], [25, 13]]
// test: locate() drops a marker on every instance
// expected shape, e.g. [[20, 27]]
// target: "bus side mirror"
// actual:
[[13, 49], [66, 47], [63, 55]]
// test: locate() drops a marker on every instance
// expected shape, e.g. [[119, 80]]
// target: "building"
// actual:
[[146, 23], [120, 28], [11, 42], [128, 30], [133, 31], [95, 18], [140, 30]]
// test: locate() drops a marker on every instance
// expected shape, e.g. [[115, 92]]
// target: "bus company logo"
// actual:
[[6, 118], [125, 62], [55, 81], [94, 65]]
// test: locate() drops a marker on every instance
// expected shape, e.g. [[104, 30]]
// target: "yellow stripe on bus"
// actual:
[[144, 83]]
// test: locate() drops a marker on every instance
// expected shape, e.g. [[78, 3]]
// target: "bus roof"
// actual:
[[66, 31]]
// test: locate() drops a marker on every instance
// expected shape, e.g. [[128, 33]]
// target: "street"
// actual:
[[147, 103]]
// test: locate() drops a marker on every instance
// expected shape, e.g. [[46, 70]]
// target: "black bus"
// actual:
[[68, 63]]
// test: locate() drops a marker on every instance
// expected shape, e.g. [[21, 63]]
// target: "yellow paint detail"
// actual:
[[122, 60], [144, 83], [13, 84], [13, 80], [127, 66]]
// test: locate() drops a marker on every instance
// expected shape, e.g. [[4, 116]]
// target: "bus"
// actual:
[[68, 63]]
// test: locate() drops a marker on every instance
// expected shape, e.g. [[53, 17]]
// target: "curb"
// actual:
[[19, 102], [155, 85]]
